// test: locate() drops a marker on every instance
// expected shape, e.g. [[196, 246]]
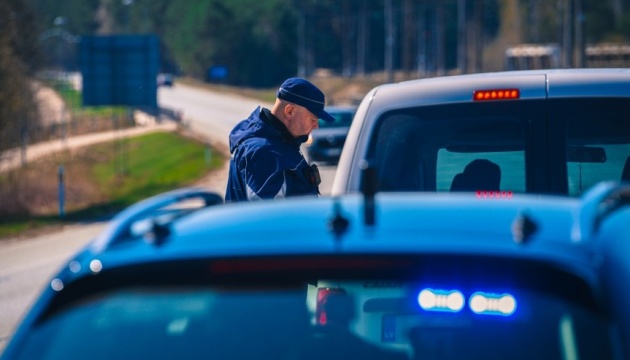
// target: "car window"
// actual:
[[342, 119], [369, 318], [443, 321], [381, 306], [597, 144], [510, 163], [450, 149], [170, 323]]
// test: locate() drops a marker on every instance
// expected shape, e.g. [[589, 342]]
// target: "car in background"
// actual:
[[359, 276], [327, 141], [165, 79], [542, 131]]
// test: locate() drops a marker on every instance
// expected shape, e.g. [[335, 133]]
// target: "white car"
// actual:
[[544, 132]]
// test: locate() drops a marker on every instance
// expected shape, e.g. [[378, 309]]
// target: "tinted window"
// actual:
[[430, 148], [366, 319], [511, 165], [597, 142]]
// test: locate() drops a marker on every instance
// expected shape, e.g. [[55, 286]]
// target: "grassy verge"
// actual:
[[101, 180]]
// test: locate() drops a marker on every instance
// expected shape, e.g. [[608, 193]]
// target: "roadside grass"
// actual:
[[100, 180], [73, 99]]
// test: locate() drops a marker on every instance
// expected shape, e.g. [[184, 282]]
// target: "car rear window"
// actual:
[[470, 147], [510, 179], [295, 308]]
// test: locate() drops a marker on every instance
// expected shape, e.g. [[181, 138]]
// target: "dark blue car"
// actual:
[[326, 143], [361, 276]]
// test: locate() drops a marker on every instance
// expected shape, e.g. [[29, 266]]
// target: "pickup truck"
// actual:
[[541, 131]]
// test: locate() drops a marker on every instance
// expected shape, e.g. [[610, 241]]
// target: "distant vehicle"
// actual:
[[539, 131], [165, 80], [359, 276], [328, 140]]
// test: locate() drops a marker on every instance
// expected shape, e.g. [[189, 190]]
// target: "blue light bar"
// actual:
[[492, 304], [441, 300]]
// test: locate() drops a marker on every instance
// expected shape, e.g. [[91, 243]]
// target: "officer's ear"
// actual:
[[289, 110]]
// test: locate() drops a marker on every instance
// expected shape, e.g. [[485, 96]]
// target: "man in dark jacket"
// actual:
[[266, 161]]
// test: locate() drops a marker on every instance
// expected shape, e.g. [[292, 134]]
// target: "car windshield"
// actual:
[[345, 319]]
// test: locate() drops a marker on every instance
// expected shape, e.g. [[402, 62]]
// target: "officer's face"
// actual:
[[301, 121]]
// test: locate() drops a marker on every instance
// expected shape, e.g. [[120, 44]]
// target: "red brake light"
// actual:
[[496, 94], [323, 294]]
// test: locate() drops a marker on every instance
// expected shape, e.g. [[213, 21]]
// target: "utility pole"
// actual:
[[301, 55], [389, 41], [567, 36], [534, 16], [579, 37], [348, 26], [422, 42], [478, 35], [440, 39], [362, 39], [462, 64], [408, 37]]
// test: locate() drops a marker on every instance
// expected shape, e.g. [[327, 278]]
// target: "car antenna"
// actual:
[[338, 224], [523, 227], [369, 185]]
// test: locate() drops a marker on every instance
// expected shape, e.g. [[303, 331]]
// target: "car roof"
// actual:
[[532, 84], [404, 223]]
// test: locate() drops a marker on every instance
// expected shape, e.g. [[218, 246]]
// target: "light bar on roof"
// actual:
[[441, 300], [492, 304]]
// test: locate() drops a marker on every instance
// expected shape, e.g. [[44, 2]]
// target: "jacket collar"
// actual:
[[271, 119]]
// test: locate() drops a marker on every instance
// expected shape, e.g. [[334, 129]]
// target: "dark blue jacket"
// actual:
[[266, 161]]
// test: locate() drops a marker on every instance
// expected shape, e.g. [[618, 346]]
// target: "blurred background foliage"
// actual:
[[261, 42]]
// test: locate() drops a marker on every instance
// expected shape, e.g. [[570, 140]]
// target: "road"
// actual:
[[26, 265]]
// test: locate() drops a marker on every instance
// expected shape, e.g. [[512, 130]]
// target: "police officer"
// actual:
[[266, 161]]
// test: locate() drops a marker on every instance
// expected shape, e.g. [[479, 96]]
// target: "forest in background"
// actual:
[[261, 42]]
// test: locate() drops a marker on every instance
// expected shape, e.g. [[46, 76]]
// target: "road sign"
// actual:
[[120, 70]]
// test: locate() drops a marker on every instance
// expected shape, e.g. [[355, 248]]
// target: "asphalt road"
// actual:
[[26, 265]]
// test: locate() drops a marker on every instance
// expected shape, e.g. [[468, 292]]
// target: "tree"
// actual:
[[18, 60]]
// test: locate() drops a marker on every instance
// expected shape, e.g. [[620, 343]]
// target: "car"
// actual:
[[326, 142], [165, 79], [359, 276], [556, 131]]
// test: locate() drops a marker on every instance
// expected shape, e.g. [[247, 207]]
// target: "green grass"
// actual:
[[150, 164], [124, 171], [73, 99]]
